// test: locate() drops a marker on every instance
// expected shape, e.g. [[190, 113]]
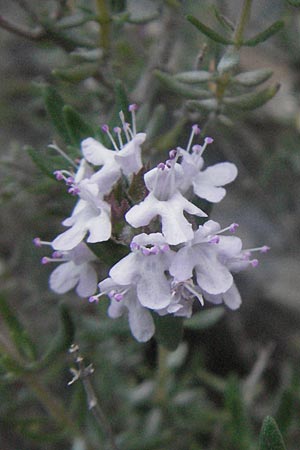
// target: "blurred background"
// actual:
[[253, 352]]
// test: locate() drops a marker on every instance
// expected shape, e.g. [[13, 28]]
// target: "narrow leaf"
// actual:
[[77, 73], [40, 161], [238, 426], [180, 88], [168, 331], [264, 35], [17, 331], [54, 106], [252, 100], [78, 129], [194, 76], [61, 342], [229, 60], [223, 20], [253, 78], [209, 32], [209, 105], [270, 437]]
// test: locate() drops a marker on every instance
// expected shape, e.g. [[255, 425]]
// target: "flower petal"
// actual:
[[64, 277], [87, 281]]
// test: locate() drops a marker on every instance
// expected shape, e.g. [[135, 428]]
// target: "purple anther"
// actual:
[[94, 299], [196, 129], [246, 255], [172, 154], [164, 248], [105, 128], [146, 251], [45, 260], [132, 107], [197, 148], [118, 296], [208, 140], [254, 262], [233, 227], [69, 181], [264, 249], [161, 166], [117, 130], [74, 190], [169, 163], [134, 246], [37, 242], [155, 250], [58, 175], [214, 240], [57, 254]]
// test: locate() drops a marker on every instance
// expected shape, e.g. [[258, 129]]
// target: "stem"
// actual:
[[244, 18], [104, 21]]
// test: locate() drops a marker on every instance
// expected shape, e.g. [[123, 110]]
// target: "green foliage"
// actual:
[[270, 437], [18, 333], [209, 32], [77, 128], [264, 35], [168, 331]]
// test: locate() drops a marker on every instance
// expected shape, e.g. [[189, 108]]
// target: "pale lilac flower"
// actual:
[[166, 201], [207, 255], [91, 215], [145, 268], [75, 270], [124, 159], [124, 300], [230, 298], [207, 183]]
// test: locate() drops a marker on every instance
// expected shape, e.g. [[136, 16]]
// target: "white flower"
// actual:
[[206, 254], [75, 270], [206, 183], [90, 215], [165, 200], [124, 300], [230, 298], [145, 268]]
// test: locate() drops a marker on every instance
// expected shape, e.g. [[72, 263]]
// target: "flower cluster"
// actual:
[[172, 261]]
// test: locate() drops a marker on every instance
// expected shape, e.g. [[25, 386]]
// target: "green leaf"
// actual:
[[270, 437], [39, 159], [209, 32], [168, 331], [54, 106], [294, 2], [253, 78], [18, 333], [264, 35], [223, 20], [252, 100], [208, 105], [285, 412], [60, 343], [77, 73], [238, 427], [180, 88], [194, 76], [229, 60], [204, 319], [78, 129]]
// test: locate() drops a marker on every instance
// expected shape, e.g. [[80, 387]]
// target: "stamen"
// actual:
[[193, 291], [63, 154], [208, 140], [46, 260], [254, 262], [132, 108], [74, 190], [263, 249], [118, 131], [38, 242], [105, 128], [214, 240], [125, 125], [195, 130], [232, 228]]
